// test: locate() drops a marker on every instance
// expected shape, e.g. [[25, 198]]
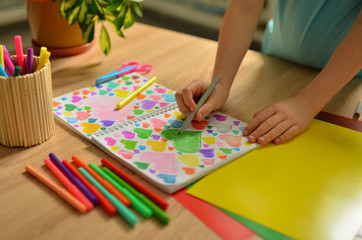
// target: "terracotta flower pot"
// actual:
[[49, 29]]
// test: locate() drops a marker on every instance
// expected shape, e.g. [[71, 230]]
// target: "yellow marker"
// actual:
[[42, 51], [134, 94], [43, 59], [2, 56]]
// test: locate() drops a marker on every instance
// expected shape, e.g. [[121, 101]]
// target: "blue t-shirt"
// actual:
[[308, 31]]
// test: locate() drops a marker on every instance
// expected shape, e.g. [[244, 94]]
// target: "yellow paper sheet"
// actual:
[[308, 188]]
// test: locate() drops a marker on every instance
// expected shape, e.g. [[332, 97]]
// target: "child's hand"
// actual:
[[187, 99], [280, 121]]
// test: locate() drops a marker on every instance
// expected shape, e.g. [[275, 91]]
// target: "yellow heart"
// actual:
[[156, 145], [219, 153], [92, 89], [178, 115], [169, 91], [209, 140], [90, 127], [114, 148], [121, 93], [189, 160], [247, 143], [150, 110], [67, 114]]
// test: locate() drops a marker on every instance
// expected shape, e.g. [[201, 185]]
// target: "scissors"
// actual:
[[126, 68]]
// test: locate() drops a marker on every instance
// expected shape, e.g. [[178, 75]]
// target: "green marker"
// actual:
[[122, 209], [17, 71], [135, 202], [157, 212]]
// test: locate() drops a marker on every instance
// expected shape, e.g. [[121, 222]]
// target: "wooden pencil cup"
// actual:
[[26, 114]]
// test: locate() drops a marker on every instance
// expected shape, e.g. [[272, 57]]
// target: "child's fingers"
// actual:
[[290, 133], [181, 105], [275, 132], [188, 98], [258, 119]]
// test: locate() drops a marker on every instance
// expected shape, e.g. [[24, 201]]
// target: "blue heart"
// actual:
[[71, 120], [92, 120], [171, 179]]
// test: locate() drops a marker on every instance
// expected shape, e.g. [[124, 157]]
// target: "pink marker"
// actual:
[[19, 53], [9, 65]]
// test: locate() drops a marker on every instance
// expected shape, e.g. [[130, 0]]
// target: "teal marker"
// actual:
[[135, 202], [17, 71], [2, 72], [157, 212], [122, 209]]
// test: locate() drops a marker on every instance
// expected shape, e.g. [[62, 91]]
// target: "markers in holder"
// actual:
[[19, 53]]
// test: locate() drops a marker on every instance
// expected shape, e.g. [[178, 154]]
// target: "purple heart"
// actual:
[[209, 131], [93, 93], [155, 137], [208, 153], [220, 118], [148, 104], [107, 123], [76, 99], [58, 113], [99, 86], [236, 123], [152, 171], [206, 145], [60, 107], [136, 151]]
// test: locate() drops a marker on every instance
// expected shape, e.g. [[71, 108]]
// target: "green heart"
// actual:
[[128, 82], [209, 127], [149, 91], [55, 110], [79, 109], [157, 107], [103, 128], [125, 78], [112, 85], [207, 117], [143, 133], [166, 126], [128, 144], [138, 111], [141, 165], [235, 131], [225, 150], [186, 142], [70, 107], [87, 108], [202, 166], [102, 92]]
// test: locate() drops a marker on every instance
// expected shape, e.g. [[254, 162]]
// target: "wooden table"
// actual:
[[29, 210]]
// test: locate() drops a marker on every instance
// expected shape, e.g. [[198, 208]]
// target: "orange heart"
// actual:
[[145, 125], [222, 157], [136, 107], [167, 115], [171, 148], [85, 92], [84, 97], [119, 81], [135, 77], [189, 171], [130, 117], [137, 81], [55, 104], [88, 111], [76, 93], [140, 96], [163, 140], [157, 129]]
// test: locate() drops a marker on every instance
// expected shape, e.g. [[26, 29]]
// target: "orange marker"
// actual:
[[105, 184], [70, 186], [60, 191], [105, 204]]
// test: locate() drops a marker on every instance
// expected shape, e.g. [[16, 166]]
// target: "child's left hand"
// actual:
[[281, 121]]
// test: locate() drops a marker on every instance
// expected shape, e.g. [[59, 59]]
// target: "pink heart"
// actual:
[[220, 144], [76, 99], [126, 154], [117, 135], [163, 162], [160, 90], [110, 141], [156, 98], [208, 161], [163, 104]]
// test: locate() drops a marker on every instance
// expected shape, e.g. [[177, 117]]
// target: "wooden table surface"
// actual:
[[29, 210]]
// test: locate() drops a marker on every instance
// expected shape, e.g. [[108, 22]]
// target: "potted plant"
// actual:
[[73, 22]]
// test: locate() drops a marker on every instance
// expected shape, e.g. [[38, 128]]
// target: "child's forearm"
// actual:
[[343, 65], [235, 37]]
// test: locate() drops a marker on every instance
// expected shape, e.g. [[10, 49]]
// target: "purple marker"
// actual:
[[74, 179], [9, 65], [29, 60]]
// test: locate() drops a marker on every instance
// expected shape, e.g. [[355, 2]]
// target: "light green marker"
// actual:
[[144, 210], [122, 209], [157, 212]]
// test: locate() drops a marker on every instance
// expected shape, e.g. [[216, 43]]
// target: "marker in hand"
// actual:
[[200, 102]]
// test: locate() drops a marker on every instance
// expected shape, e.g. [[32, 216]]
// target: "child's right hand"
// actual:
[[187, 99]]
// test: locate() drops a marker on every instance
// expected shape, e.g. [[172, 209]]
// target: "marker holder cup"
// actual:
[[26, 113]]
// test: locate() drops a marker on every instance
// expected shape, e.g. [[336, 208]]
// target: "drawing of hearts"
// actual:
[[126, 154], [208, 153], [175, 124], [189, 171], [93, 93], [189, 160], [208, 161], [156, 98], [222, 157], [141, 165], [117, 135], [199, 124], [136, 107], [170, 179], [112, 85], [138, 112], [167, 115], [163, 104], [236, 123], [178, 115], [82, 115], [76, 92], [162, 162], [102, 92], [114, 148], [223, 128], [121, 93], [231, 140], [160, 90], [130, 117], [107, 123], [157, 123], [92, 120], [70, 107], [67, 114], [220, 118], [155, 137], [145, 125], [71, 120], [156, 145], [64, 98], [169, 97], [148, 104], [135, 77], [149, 92], [171, 148], [90, 127], [220, 144], [128, 144], [142, 133], [85, 92], [157, 129], [55, 104], [140, 96], [110, 141]]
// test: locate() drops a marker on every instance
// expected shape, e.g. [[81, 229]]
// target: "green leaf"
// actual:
[[88, 33], [73, 16], [114, 6], [137, 9], [83, 12], [129, 18], [104, 41], [137, 1], [116, 30]]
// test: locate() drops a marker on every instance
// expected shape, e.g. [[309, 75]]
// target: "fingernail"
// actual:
[[277, 141], [245, 133], [251, 139], [261, 140]]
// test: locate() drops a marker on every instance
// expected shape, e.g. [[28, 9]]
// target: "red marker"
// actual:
[[137, 185], [19, 53], [70, 186], [105, 204]]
